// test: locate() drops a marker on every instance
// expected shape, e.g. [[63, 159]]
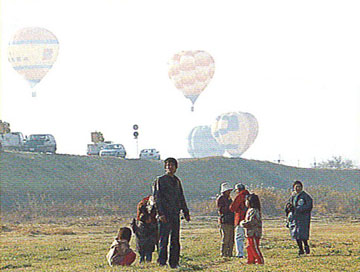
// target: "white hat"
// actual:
[[225, 187]]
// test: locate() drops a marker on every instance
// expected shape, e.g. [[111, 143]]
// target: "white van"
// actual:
[[12, 141]]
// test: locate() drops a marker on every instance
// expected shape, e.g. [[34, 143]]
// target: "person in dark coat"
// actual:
[[169, 201], [226, 220], [298, 210]]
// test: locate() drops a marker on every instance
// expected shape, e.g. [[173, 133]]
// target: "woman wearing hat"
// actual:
[[298, 209], [226, 220]]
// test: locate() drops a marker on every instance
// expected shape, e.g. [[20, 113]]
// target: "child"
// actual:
[[146, 229], [120, 252], [253, 229]]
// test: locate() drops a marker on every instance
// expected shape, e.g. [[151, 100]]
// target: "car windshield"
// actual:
[[114, 146]]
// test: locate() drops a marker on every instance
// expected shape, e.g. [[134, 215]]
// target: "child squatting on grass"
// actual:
[[253, 229], [120, 252]]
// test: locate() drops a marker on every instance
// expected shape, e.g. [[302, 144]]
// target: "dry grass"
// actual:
[[81, 245]]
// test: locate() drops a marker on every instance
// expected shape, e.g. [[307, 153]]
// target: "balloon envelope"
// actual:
[[201, 143], [235, 131], [191, 72], [32, 53]]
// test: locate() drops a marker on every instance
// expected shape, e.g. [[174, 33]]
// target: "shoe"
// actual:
[[240, 257], [307, 249], [301, 252], [174, 266]]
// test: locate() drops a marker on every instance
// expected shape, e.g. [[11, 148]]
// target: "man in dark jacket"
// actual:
[[169, 201], [298, 209], [226, 220]]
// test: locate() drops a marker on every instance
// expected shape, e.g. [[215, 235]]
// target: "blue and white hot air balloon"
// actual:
[[202, 144], [235, 131], [32, 53]]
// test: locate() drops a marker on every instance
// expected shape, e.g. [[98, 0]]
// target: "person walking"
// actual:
[[226, 220], [239, 208], [169, 201], [298, 210], [253, 229]]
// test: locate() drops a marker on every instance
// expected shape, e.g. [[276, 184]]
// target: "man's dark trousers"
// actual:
[[170, 228]]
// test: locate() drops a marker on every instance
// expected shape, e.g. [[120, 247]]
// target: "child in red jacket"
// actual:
[[120, 252], [253, 229]]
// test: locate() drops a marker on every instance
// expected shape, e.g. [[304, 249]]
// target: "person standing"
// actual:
[[169, 201], [239, 208], [298, 209], [226, 220], [253, 229]]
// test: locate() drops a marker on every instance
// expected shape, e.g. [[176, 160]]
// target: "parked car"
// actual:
[[113, 150], [150, 153], [40, 143]]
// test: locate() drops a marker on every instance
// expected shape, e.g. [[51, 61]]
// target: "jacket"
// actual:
[[252, 223], [118, 250], [169, 197], [238, 206], [226, 215], [146, 236], [300, 215]]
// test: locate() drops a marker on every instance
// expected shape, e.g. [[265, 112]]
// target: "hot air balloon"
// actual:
[[235, 131], [32, 53], [191, 72], [201, 143]]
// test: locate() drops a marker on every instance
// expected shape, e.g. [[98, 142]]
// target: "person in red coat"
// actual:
[[239, 208]]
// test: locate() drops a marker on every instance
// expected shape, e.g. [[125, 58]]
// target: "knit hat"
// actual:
[[225, 187]]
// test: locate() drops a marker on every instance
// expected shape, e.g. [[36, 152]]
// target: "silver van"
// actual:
[[40, 143]]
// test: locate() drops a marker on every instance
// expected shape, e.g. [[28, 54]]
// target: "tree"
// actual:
[[336, 162]]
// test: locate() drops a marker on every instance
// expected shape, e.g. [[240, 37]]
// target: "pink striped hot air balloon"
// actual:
[[191, 72], [32, 53]]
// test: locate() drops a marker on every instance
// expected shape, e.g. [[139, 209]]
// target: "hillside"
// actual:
[[60, 178]]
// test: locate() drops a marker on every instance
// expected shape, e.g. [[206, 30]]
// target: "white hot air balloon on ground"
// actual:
[[201, 143], [235, 131], [191, 72], [32, 53]]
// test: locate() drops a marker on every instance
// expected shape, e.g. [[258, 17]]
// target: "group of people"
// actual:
[[241, 219], [158, 222]]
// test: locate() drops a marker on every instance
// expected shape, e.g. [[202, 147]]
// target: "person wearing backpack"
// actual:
[[239, 208]]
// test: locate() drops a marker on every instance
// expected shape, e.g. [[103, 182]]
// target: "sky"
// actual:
[[294, 65]]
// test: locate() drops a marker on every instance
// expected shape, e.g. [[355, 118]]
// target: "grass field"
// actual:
[[81, 245]]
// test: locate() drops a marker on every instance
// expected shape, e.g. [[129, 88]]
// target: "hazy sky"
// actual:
[[294, 65]]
